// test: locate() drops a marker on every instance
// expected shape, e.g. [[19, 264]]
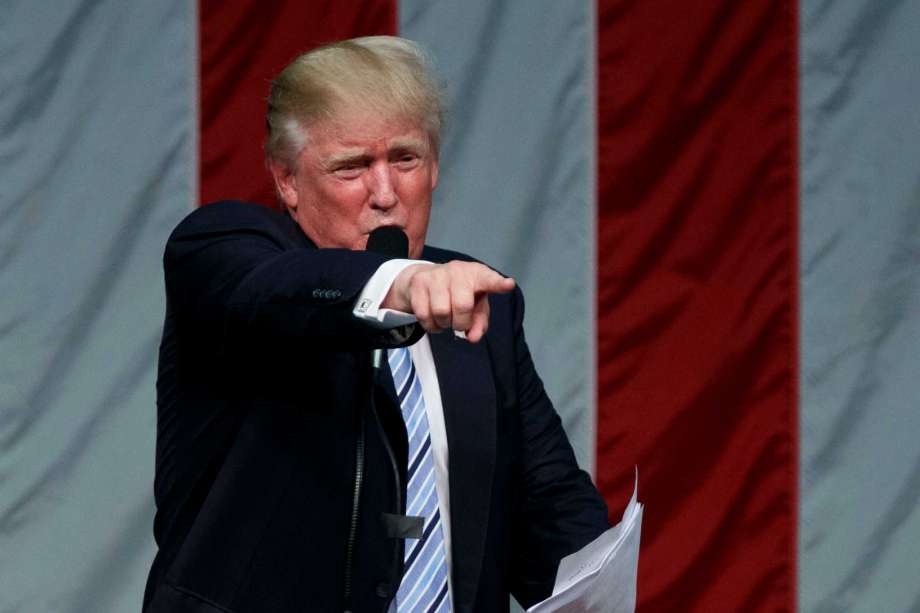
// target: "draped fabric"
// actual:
[[859, 539], [96, 168], [712, 207], [697, 301], [516, 184]]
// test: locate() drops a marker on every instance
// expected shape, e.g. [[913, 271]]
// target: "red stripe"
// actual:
[[697, 277], [244, 43]]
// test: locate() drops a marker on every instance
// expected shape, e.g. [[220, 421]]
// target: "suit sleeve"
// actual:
[[232, 276], [560, 509]]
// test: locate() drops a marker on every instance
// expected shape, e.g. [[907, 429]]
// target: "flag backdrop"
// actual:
[[713, 209]]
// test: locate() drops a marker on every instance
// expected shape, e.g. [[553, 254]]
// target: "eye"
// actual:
[[349, 171], [407, 160]]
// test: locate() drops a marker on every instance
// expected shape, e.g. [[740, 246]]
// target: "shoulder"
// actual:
[[440, 256], [234, 216]]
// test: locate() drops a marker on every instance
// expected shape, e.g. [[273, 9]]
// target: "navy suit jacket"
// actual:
[[264, 379]]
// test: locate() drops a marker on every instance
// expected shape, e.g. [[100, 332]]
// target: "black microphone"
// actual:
[[392, 242], [389, 241]]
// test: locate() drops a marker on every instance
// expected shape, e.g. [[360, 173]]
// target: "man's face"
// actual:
[[358, 173]]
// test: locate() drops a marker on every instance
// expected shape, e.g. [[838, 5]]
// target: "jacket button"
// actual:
[[317, 293], [383, 589], [336, 293]]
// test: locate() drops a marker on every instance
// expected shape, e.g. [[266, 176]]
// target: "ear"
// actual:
[[434, 174], [285, 184]]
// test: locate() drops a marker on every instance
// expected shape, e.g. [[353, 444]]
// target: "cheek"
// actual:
[[420, 201], [343, 203], [342, 194], [336, 216], [417, 228], [419, 222]]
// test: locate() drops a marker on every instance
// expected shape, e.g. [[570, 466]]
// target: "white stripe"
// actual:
[[423, 488], [421, 465], [417, 419], [395, 356], [555, 144], [445, 604], [424, 545], [84, 223], [859, 513], [400, 380], [415, 594]]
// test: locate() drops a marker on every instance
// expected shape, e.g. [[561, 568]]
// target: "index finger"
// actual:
[[491, 282]]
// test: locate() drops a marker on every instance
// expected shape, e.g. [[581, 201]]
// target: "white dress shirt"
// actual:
[[367, 307]]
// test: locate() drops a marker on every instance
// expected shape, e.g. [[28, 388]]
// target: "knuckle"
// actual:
[[419, 307], [463, 305]]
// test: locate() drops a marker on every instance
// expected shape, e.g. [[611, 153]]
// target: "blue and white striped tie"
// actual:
[[424, 583]]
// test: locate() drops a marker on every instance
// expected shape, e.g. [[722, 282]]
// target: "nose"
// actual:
[[381, 186]]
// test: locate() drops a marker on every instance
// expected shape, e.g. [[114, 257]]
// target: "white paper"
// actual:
[[601, 576]]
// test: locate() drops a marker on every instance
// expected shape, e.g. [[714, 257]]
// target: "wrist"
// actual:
[[397, 298]]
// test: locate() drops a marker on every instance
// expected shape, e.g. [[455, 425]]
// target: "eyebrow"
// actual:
[[355, 155], [401, 144], [358, 154]]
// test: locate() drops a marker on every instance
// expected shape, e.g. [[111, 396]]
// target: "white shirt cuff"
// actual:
[[367, 306]]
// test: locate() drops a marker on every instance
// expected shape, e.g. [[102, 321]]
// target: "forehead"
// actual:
[[362, 128]]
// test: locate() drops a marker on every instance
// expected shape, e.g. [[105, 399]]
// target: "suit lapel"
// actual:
[[469, 401]]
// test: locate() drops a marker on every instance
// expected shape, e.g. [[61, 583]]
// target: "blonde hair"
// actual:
[[386, 75]]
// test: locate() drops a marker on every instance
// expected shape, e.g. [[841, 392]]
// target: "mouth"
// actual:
[[388, 228], [389, 239]]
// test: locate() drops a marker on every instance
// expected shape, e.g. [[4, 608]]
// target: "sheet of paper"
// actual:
[[601, 576]]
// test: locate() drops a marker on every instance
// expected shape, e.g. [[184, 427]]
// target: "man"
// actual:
[[289, 469]]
